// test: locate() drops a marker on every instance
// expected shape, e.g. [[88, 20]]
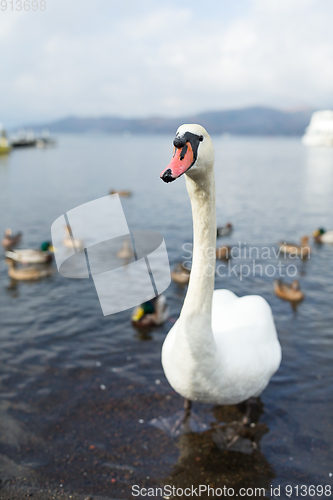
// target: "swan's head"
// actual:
[[193, 153]]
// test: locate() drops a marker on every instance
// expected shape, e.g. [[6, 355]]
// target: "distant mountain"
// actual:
[[246, 121]]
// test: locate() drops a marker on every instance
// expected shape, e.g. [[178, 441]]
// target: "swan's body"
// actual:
[[234, 361], [222, 349], [322, 236]]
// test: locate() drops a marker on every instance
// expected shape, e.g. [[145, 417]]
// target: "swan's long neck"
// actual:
[[200, 292], [195, 318]]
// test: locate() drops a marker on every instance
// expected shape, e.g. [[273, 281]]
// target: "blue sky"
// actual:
[[170, 58]]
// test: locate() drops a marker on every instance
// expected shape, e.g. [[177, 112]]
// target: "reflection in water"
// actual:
[[12, 288], [144, 334], [294, 307], [302, 268], [4, 177], [205, 458]]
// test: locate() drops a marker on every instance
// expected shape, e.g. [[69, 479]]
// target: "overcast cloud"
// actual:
[[147, 58]]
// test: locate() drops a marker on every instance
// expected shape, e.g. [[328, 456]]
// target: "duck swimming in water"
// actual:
[[180, 274], [152, 313], [303, 250], [223, 253], [28, 273], [32, 256], [70, 242], [10, 239], [291, 292], [126, 251], [322, 236], [224, 230]]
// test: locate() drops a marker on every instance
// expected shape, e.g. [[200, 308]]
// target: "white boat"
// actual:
[[23, 139], [320, 130]]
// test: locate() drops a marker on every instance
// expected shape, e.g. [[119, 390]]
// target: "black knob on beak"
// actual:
[[167, 176], [179, 142]]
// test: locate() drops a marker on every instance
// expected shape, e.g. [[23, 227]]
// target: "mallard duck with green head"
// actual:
[[42, 255], [322, 236]]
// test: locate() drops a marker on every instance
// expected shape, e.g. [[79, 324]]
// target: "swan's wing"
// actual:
[[230, 312], [246, 337], [249, 316]]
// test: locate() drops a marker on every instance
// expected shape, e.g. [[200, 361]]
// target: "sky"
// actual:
[[157, 58]]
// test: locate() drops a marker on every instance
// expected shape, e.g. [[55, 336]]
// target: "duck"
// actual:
[[68, 241], [28, 273], [32, 256], [224, 230], [322, 236], [126, 251], [181, 274], [121, 192], [223, 253], [10, 239], [223, 349], [303, 250], [291, 292], [152, 313]]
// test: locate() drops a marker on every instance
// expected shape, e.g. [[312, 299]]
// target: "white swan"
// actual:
[[222, 349]]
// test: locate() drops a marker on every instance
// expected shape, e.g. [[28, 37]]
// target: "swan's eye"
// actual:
[[201, 138]]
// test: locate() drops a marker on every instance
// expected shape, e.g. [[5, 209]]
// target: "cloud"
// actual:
[[163, 58]]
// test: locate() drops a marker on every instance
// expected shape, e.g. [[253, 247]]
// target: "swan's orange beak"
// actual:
[[182, 160]]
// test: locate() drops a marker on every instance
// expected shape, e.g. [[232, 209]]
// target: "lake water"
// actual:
[[78, 389]]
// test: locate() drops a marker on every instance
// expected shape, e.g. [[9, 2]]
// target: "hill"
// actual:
[[246, 121]]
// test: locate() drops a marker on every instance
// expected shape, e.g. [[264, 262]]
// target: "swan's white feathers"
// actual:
[[247, 346]]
